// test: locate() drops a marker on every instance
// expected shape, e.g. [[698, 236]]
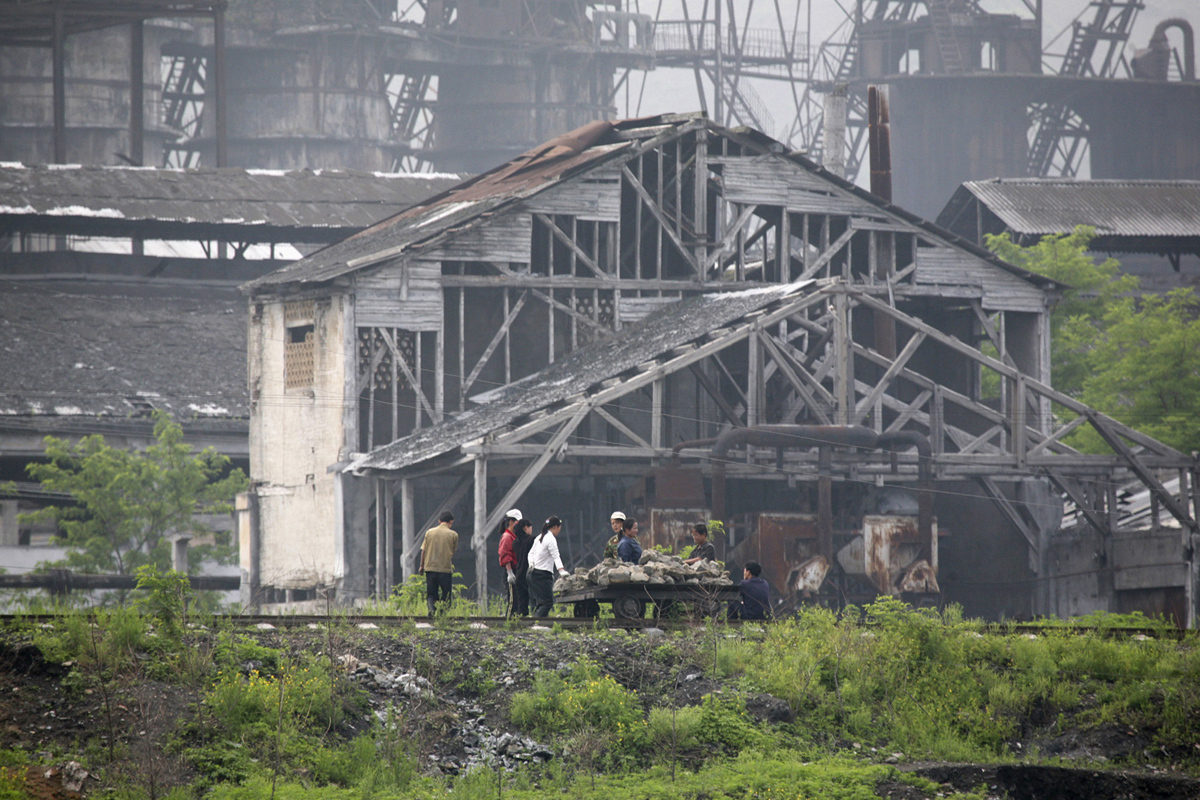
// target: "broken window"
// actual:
[[298, 347]]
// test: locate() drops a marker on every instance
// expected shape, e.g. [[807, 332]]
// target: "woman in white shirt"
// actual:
[[543, 561]]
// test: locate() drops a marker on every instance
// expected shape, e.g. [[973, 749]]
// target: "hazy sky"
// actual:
[[675, 90]]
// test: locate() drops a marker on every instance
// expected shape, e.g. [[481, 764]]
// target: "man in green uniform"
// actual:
[[437, 563]]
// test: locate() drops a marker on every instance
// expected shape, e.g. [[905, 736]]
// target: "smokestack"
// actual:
[[881, 142], [833, 145]]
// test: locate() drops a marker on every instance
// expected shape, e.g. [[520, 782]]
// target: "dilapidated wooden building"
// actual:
[[681, 321]]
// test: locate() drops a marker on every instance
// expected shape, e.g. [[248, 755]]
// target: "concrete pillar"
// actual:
[[179, 551], [479, 540], [246, 511], [9, 531]]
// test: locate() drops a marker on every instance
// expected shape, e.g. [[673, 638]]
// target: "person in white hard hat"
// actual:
[[617, 520], [508, 558]]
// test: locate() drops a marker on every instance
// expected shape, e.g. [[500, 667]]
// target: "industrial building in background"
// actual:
[[460, 85]]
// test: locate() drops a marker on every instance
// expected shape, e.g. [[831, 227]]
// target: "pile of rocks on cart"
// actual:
[[654, 569]]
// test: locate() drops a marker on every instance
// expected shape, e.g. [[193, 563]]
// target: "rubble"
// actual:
[[654, 568]]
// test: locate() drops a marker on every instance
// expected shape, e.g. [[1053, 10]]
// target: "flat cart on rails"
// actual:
[[629, 600]]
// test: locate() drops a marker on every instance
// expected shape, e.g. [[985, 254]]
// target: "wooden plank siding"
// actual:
[[1001, 291], [503, 238], [595, 198], [406, 294]]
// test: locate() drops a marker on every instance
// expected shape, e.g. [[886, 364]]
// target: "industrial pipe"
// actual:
[[1154, 63]]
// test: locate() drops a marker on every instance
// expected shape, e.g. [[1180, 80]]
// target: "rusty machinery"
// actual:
[[863, 540]]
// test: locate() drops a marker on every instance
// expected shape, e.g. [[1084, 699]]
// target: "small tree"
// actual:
[[1078, 318], [127, 503]]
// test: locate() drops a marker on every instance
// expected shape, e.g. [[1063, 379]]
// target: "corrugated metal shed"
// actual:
[[75, 351], [1134, 211], [584, 368], [266, 205]]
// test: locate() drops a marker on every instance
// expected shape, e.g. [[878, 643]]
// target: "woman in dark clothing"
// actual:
[[629, 549], [524, 532]]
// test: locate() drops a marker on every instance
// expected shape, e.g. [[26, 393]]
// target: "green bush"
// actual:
[[584, 700], [252, 707]]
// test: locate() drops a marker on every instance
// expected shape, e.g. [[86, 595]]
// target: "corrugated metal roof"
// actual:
[[584, 368], [74, 350], [312, 205], [1036, 206]]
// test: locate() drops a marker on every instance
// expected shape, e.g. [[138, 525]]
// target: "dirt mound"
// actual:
[[1032, 782]]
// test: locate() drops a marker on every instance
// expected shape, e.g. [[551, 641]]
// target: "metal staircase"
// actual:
[[943, 32]]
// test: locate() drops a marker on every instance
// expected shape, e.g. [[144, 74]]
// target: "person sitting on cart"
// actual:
[[617, 521], [754, 595], [629, 549], [703, 550]]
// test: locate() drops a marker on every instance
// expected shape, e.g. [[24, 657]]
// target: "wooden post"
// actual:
[[220, 78], [844, 355], [656, 414], [479, 540], [380, 542], [137, 96], [408, 533], [58, 56]]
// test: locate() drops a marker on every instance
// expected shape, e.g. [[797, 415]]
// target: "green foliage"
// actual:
[[724, 724], [934, 686], [109, 640], [13, 766], [1145, 368], [585, 699], [1077, 317], [126, 503], [301, 699], [1133, 358], [165, 599], [232, 650]]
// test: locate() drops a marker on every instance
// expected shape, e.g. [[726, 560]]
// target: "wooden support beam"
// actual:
[[731, 233], [621, 426], [826, 256], [1006, 371], [1014, 516], [575, 249], [713, 391], [408, 537], [661, 218], [408, 373], [867, 403], [566, 309], [1070, 490], [802, 389], [657, 390], [1113, 439], [495, 342]]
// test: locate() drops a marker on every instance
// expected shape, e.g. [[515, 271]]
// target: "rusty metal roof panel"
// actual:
[[465, 205], [82, 351], [1036, 206], [316, 205], [578, 372]]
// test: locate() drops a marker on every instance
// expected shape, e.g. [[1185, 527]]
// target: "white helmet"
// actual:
[[514, 513], [617, 515]]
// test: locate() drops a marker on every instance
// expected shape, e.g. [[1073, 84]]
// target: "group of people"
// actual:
[[530, 562]]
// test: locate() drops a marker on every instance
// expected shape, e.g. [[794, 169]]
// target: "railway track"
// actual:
[[502, 624]]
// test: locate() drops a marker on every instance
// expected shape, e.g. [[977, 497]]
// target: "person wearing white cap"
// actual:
[[617, 520], [508, 558]]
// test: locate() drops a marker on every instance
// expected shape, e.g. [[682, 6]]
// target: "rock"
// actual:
[[349, 662], [478, 626], [73, 776], [543, 754], [368, 626], [423, 626], [654, 633], [264, 626]]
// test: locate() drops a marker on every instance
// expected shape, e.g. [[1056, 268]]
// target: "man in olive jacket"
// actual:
[[437, 563]]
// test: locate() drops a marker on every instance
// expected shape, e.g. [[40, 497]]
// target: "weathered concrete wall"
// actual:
[[295, 434]]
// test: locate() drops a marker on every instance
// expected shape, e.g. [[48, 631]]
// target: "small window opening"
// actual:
[[298, 357]]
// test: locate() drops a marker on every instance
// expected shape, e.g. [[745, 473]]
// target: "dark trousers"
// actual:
[[520, 596], [541, 591], [437, 591]]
